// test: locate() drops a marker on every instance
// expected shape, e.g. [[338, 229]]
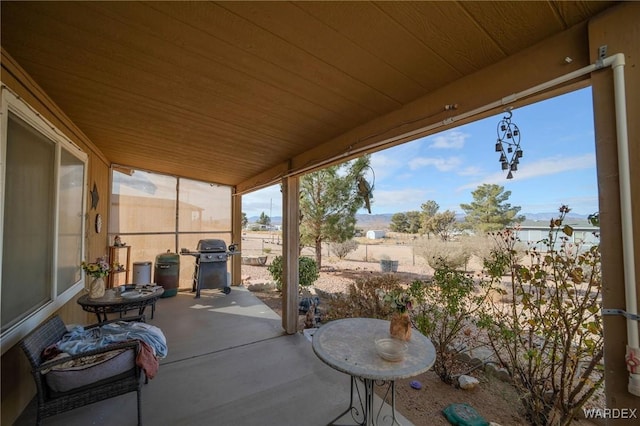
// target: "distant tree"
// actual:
[[399, 223], [442, 224], [429, 210], [264, 219], [245, 220], [329, 200], [489, 210], [408, 222], [413, 218]]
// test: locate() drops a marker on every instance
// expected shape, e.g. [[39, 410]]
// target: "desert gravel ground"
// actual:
[[495, 400]]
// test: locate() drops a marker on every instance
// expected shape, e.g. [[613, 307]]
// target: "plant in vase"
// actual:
[[401, 302], [97, 270]]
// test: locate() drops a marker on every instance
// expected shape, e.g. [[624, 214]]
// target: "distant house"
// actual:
[[255, 226], [585, 235], [375, 235]]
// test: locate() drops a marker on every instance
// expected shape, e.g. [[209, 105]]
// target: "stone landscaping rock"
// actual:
[[497, 371], [261, 286], [482, 353], [463, 357], [468, 382]]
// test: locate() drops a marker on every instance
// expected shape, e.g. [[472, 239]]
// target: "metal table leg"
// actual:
[[363, 412]]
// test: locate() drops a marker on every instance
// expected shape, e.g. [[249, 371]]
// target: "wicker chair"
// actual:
[[51, 402]]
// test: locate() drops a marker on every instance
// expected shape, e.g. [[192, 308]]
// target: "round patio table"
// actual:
[[348, 345], [111, 303]]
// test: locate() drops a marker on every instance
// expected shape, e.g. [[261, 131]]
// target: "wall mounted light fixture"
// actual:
[[508, 144]]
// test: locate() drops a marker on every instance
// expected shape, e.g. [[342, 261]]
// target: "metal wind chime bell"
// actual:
[[508, 144]]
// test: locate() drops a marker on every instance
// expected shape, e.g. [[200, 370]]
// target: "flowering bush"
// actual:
[[547, 329], [98, 269]]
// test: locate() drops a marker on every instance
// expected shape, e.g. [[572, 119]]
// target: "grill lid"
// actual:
[[211, 246], [167, 257]]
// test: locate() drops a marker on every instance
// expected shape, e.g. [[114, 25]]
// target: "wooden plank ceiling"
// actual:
[[224, 91]]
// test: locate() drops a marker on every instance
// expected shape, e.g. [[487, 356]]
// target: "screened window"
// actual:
[[42, 196], [204, 207], [156, 214]]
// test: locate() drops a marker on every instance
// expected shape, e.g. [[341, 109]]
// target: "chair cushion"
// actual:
[[90, 369]]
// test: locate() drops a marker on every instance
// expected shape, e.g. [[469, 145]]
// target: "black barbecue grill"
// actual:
[[211, 265]]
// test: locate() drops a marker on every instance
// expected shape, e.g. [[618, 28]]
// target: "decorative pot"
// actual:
[[96, 288], [400, 327], [389, 265]]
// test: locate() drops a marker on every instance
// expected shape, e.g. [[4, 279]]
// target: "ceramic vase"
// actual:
[[400, 327], [96, 288]]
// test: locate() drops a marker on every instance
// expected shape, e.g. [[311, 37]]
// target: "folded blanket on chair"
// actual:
[[79, 340], [147, 360]]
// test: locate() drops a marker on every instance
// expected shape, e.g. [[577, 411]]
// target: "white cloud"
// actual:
[[450, 140], [385, 165], [442, 164], [398, 200], [471, 171], [393, 161], [264, 200], [543, 167]]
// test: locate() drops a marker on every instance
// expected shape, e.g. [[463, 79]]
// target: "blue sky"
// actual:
[[558, 165]]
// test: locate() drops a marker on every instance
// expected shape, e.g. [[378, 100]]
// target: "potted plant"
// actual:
[[400, 324], [97, 271]]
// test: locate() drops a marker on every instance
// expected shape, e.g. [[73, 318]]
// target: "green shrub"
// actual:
[[308, 271], [365, 298], [444, 306]]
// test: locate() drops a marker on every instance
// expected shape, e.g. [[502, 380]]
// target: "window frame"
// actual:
[[11, 103]]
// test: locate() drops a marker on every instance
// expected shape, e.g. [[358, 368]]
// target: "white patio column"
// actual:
[[290, 244]]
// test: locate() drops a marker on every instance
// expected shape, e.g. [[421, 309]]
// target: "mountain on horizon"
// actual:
[[382, 220]]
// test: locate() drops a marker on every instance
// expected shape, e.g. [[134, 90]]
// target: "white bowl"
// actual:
[[391, 349], [131, 294]]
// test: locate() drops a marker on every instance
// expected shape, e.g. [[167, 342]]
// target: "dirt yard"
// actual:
[[495, 400]]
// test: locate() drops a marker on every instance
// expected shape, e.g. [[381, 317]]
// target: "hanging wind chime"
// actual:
[[508, 144]]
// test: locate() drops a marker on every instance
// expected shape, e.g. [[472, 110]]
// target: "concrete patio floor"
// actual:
[[229, 363]]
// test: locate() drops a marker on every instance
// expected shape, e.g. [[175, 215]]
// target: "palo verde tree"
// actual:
[[436, 223], [442, 224], [413, 217], [429, 210], [489, 210], [329, 200]]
